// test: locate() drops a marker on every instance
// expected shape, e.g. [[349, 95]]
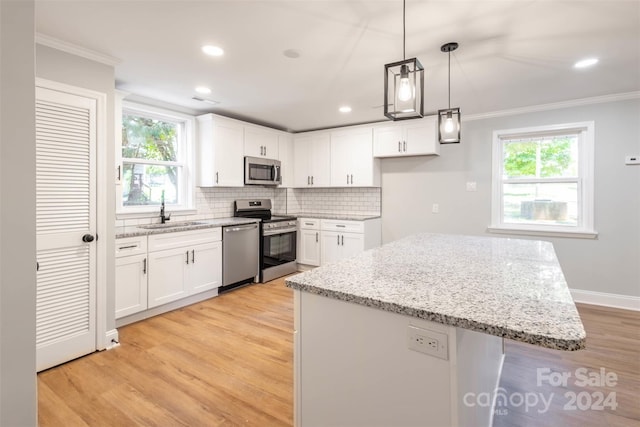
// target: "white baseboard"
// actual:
[[626, 302], [111, 338]]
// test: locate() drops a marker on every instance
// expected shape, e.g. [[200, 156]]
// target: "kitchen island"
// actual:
[[410, 333]]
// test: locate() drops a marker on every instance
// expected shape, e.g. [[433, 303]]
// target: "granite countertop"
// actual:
[[510, 288], [344, 217], [133, 230]]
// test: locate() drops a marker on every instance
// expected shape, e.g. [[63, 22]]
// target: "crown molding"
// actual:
[[45, 40], [554, 106]]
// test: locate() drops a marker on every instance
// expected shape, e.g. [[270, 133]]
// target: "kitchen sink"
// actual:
[[171, 225]]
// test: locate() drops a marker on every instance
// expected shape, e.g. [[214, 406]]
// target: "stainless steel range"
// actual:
[[277, 238]]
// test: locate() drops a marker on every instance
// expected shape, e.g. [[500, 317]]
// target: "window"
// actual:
[[543, 180], [156, 154]]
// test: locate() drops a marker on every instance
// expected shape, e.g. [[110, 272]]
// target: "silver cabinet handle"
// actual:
[[240, 228], [347, 178], [338, 240], [311, 179], [308, 223], [342, 240], [193, 256], [308, 180], [265, 150], [351, 179], [341, 226], [144, 266], [399, 147], [316, 237], [216, 177], [119, 170], [404, 145], [187, 257], [127, 247]]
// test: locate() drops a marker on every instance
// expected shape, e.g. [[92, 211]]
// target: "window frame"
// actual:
[[585, 181], [186, 161]]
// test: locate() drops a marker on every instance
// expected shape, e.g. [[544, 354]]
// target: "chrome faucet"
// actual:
[[163, 218]]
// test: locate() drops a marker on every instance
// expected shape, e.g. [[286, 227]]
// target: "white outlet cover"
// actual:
[[418, 339], [632, 160], [471, 186]]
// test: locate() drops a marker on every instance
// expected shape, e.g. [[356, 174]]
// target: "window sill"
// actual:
[[578, 234], [152, 213]]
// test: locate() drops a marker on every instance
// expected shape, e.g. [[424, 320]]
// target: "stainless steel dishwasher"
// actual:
[[240, 253]]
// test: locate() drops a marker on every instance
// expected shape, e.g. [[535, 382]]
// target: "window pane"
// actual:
[[541, 158], [548, 203], [151, 139], [143, 184]]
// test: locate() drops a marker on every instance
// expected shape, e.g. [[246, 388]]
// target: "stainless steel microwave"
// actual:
[[259, 171]]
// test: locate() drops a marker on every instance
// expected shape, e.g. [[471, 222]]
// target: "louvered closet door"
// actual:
[[65, 212]]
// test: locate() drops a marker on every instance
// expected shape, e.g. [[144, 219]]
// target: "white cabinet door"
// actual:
[[387, 141], [301, 172], [285, 155], [351, 244], [312, 157], [220, 152], [416, 139], [421, 138], [131, 285], [320, 160], [260, 142], [167, 276], [309, 248], [352, 162], [330, 243], [205, 270]]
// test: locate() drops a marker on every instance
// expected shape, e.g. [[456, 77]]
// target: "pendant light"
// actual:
[[404, 84], [449, 119]]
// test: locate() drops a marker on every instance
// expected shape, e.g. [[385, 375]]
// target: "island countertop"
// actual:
[[510, 288]]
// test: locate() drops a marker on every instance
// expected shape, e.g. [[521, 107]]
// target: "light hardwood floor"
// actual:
[[228, 361]]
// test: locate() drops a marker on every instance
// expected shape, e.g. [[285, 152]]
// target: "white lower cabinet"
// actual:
[[309, 241], [189, 262], [326, 240], [341, 245], [131, 275]]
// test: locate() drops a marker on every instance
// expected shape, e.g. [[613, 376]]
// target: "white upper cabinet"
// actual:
[[312, 159], [285, 155], [352, 161], [260, 142], [221, 152], [413, 138]]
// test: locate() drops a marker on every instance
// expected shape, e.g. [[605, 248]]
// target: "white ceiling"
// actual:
[[512, 53]]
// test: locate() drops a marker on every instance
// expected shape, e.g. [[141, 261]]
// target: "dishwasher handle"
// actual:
[[240, 228]]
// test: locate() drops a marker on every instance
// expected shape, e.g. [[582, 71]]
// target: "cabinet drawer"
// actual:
[[309, 223], [131, 246], [158, 242], [346, 226]]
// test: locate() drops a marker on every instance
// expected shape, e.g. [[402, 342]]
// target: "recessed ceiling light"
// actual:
[[212, 50], [345, 109], [203, 90], [586, 63]]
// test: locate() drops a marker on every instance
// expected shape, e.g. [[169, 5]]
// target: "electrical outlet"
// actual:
[[435, 208], [472, 186], [428, 342]]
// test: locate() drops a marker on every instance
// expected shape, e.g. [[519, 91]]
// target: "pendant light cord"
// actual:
[[449, 82], [404, 30]]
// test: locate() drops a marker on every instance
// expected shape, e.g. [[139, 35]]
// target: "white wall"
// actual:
[[58, 66], [608, 264], [18, 402]]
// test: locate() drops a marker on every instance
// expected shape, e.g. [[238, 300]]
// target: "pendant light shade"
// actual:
[[404, 89], [449, 125], [404, 85], [449, 119]]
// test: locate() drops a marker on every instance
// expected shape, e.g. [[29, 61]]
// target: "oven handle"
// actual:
[[279, 231]]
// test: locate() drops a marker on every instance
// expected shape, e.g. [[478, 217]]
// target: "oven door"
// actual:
[[259, 171], [278, 247]]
